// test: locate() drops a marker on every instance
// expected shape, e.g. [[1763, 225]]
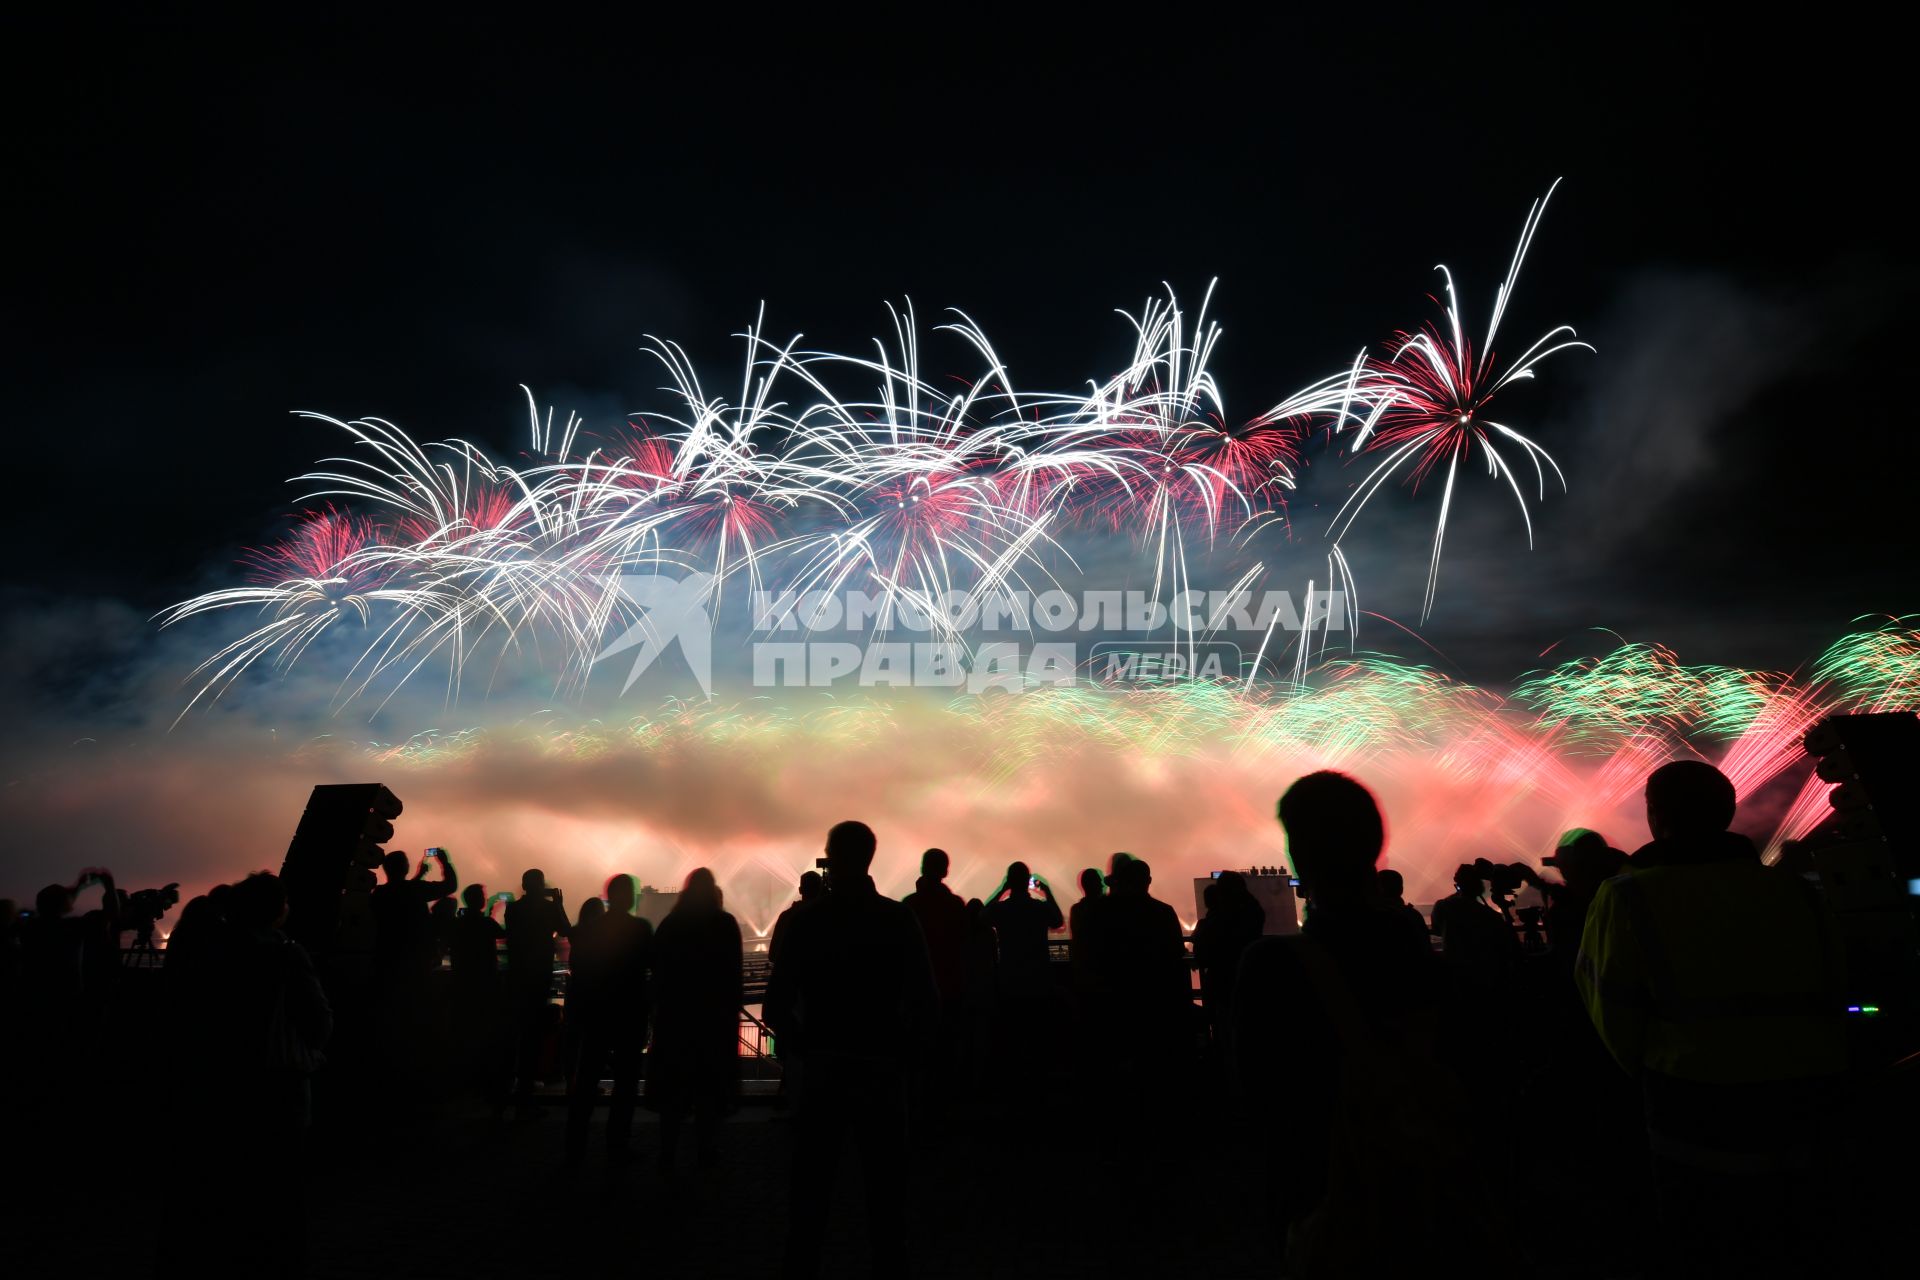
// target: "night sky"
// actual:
[[213, 228]]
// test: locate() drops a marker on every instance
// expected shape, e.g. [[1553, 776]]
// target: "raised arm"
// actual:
[[1055, 921], [449, 881], [109, 900]]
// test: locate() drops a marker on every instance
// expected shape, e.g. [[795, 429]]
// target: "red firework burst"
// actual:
[[323, 545]]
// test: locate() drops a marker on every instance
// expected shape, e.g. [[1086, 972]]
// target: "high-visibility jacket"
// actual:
[[1721, 972]]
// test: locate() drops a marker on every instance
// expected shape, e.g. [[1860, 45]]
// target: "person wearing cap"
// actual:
[[1714, 981], [1584, 860]]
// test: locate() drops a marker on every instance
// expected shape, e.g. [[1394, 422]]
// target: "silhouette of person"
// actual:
[[277, 1022], [1021, 923], [1715, 982], [53, 943], [403, 957], [1235, 920], [1584, 859], [195, 934], [856, 991], [1393, 891], [592, 911], [62, 984], [1587, 1156], [474, 953], [535, 921], [694, 1069], [1482, 963], [1690, 805], [812, 887], [942, 915], [1139, 961], [1341, 1018], [278, 1005], [1081, 916], [590, 915], [403, 927], [484, 1034], [607, 997], [1473, 936], [1090, 1011]]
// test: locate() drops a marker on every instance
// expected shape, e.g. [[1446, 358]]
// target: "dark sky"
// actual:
[[212, 228]]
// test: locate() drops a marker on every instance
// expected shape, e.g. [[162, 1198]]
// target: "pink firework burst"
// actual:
[[325, 545], [641, 460], [1163, 479], [1432, 401], [929, 510], [1258, 460]]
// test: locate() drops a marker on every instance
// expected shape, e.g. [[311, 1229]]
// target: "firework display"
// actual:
[[919, 485], [924, 484]]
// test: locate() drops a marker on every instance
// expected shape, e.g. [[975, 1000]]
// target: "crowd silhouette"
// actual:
[[1640, 1067]]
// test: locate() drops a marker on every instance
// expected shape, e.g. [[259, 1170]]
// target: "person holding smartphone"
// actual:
[[1021, 913], [402, 920]]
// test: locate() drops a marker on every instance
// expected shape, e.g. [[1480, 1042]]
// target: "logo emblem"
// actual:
[[673, 609]]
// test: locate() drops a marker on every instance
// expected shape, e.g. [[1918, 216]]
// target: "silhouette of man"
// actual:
[[1393, 893], [813, 886], [403, 927], [1473, 936], [1082, 917], [484, 1030], [61, 980], [855, 992], [1584, 860], [1235, 920], [1690, 805], [1022, 923], [607, 996], [474, 954], [944, 925], [536, 920], [942, 914], [1340, 1018], [1139, 960], [1083, 927], [694, 1069], [1715, 981], [54, 942]]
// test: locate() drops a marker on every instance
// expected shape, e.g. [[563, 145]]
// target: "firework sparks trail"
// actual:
[[1430, 402], [917, 486]]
